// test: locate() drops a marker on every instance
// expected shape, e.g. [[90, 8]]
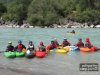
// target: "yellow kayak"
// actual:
[[59, 51], [72, 33]]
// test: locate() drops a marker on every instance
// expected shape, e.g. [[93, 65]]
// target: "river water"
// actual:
[[52, 64]]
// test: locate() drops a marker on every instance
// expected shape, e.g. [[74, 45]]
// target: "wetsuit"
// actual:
[[19, 47], [31, 47], [80, 44], [10, 48], [65, 43], [42, 48]]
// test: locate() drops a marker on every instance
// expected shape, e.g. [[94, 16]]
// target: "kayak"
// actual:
[[69, 33], [73, 48], [20, 54], [30, 55], [86, 49], [72, 33], [59, 51], [9, 54], [40, 54]]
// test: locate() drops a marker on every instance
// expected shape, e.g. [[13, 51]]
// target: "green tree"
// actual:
[[17, 10], [2, 9], [45, 12]]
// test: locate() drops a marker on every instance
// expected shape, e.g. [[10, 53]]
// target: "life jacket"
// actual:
[[80, 44], [65, 43], [31, 47], [42, 48], [10, 48], [56, 43], [88, 44], [20, 47]]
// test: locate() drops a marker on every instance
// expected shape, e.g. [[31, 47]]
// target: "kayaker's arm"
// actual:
[[24, 47]]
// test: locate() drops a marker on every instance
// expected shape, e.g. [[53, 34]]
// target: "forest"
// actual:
[[48, 12]]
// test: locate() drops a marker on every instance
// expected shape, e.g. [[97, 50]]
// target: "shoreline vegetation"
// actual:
[[50, 13]]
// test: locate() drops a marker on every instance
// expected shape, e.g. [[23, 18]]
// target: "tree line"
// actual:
[[48, 12]]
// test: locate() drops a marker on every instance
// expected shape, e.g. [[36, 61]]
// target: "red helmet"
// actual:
[[87, 39], [41, 43]]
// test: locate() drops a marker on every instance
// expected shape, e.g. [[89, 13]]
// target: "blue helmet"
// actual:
[[19, 41]]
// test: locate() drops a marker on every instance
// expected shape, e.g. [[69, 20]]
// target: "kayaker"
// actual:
[[31, 46], [88, 43], [79, 43], [41, 47], [73, 32], [65, 43], [56, 42], [20, 46], [10, 47], [51, 46]]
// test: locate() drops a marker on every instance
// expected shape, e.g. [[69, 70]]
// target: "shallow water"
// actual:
[[52, 64]]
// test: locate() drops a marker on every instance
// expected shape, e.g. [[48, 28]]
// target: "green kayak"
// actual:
[[20, 54], [9, 54]]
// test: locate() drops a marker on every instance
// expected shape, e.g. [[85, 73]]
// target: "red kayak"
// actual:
[[40, 54]]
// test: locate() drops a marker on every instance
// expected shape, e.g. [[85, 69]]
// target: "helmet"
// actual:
[[9, 42], [41, 43], [79, 39], [30, 42], [65, 39], [87, 39], [52, 42], [19, 41]]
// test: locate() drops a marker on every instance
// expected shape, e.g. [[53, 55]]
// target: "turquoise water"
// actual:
[[46, 35], [52, 64]]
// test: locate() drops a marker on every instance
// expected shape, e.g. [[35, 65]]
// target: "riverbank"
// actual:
[[65, 24]]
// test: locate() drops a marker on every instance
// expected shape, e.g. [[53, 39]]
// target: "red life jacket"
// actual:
[[20, 47], [88, 44], [80, 44]]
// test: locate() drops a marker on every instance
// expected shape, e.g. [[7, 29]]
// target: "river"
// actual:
[[52, 64]]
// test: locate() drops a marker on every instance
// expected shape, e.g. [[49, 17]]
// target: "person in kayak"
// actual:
[[10, 47], [88, 43], [65, 43], [79, 43], [31, 46], [20, 46], [56, 42], [41, 47], [73, 32], [51, 46]]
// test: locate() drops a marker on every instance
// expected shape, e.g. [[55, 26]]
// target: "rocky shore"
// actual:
[[66, 24]]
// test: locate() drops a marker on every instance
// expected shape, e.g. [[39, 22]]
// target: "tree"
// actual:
[[17, 10], [2, 9]]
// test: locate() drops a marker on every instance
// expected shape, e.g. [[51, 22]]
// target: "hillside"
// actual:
[[48, 12]]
